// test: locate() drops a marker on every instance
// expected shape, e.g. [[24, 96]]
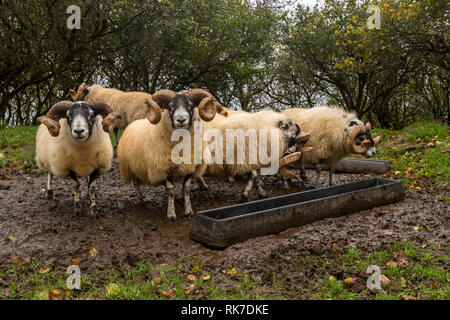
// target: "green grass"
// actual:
[[420, 150], [425, 276]]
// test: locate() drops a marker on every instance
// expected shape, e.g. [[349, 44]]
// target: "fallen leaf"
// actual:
[[331, 278], [195, 268], [206, 277], [190, 289], [350, 281], [408, 297], [170, 293], [391, 263], [384, 280], [112, 289], [43, 270], [11, 238], [157, 280], [75, 262], [101, 228], [418, 228], [93, 252], [388, 232], [14, 261], [232, 272], [58, 294], [435, 284], [191, 277], [403, 263]]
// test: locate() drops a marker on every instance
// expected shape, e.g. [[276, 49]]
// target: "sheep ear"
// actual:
[[207, 109], [369, 126], [154, 111], [73, 94]]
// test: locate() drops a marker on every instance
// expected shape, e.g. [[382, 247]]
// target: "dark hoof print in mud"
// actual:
[[93, 212]]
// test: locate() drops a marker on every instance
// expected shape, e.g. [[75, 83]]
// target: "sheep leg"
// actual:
[[332, 180], [249, 185], [49, 191], [187, 198], [137, 188], [318, 170], [202, 183], [259, 187], [116, 136], [170, 200], [92, 182], [76, 192], [304, 178]]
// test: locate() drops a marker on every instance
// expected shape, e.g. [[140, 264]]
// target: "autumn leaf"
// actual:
[[403, 263], [206, 277], [391, 263], [350, 281], [93, 252], [195, 269], [58, 294], [43, 295], [170, 293], [384, 280], [11, 238], [157, 280], [404, 297], [232, 272], [403, 282], [14, 261], [190, 289], [191, 277], [43, 270], [75, 262]]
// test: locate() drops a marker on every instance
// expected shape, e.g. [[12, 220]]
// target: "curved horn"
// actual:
[[154, 111], [303, 137], [377, 141], [290, 158], [207, 109], [109, 116], [163, 97], [352, 146], [51, 119], [197, 95]]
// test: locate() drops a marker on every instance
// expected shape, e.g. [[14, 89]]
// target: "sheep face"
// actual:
[[364, 138], [181, 111], [290, 131], [81, 120]]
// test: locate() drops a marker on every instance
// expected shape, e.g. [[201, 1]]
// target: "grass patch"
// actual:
[[418, 151]]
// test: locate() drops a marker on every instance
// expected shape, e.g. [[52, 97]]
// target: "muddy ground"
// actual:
[[33, 228]]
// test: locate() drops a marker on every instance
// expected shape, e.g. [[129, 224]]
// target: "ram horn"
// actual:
[[51, 119], [351, 144], [286, 160], [207, 109], [197, 95], [109, 116], [303, 137], [377, 141], [163, 97], [154, 112]]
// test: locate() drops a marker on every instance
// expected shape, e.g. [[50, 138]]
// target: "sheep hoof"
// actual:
[[189, 212], [49, 194], [262, 193], [77, 209], [172, 219], [245, 196], [93, 212]]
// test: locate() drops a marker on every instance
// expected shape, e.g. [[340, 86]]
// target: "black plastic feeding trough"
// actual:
[[222, 227], [352, 165]]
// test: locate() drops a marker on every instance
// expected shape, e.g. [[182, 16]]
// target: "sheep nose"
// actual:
[[181, 121], [79, 131]]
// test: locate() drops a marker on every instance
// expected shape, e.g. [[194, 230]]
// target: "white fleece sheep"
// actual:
[[335, 133], [80, 149]]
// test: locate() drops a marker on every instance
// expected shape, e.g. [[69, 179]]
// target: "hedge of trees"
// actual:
[[250, 54]]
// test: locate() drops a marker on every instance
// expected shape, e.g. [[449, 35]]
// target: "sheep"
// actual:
[[145, 148], [130, 105], [73, 141], [289, 134], [335, 133]]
